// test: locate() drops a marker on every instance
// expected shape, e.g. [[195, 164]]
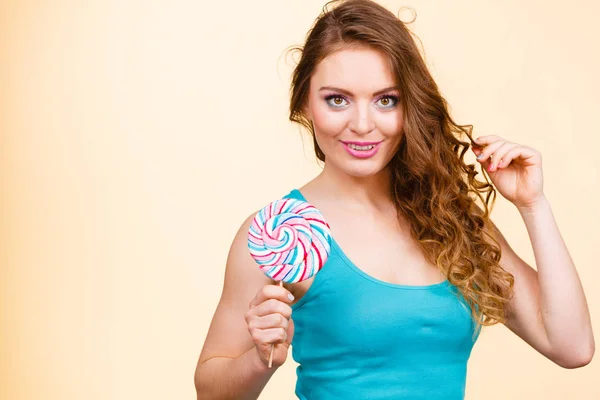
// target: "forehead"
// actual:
[[358, 69]]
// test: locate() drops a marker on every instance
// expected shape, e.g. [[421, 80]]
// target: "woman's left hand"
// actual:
[[515, 170]]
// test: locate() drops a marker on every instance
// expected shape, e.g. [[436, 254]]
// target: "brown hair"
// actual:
[[433, 187]]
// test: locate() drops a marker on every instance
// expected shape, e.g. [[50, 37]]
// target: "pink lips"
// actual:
[[362, 153]]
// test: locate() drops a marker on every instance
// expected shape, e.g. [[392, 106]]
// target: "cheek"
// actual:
[[391, 124], [328, 122]]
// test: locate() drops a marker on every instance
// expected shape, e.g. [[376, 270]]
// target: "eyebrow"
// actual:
[[333, 88]]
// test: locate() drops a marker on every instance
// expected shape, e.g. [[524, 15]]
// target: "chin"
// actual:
[[362, 171]]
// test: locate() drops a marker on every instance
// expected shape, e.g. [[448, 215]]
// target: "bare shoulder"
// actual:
[[228, 334], [242, 275]]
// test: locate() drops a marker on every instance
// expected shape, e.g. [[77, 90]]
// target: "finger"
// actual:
[[500, 153], [507, 158], [489, 150], [272, 292], [272, 336], [290, 331], [487, 139], [518, 154], [273, 306], [269, 321]]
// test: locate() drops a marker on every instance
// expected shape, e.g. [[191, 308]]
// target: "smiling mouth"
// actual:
[[360, 148]]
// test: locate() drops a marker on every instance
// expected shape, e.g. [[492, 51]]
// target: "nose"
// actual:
[[361, 121]]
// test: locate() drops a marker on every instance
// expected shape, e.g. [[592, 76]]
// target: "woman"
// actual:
[[416, 267]]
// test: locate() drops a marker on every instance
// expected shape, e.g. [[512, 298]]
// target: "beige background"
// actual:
[[137, 135]]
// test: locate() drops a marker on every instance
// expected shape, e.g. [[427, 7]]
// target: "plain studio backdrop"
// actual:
[[136, 136]]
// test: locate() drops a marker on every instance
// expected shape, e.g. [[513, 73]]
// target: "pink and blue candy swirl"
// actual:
[[290, 240]]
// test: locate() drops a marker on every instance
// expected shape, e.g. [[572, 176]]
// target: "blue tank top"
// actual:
[[357, 337]]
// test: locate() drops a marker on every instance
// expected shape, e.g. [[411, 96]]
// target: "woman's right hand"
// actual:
[[269, 322]]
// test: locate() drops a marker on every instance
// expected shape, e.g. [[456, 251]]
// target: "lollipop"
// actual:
[[290, 241]]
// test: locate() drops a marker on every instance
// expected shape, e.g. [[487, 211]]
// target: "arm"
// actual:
[[242, 377], [549, 310], [229, 366]]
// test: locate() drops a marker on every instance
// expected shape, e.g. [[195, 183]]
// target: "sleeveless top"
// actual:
[[357, 337]]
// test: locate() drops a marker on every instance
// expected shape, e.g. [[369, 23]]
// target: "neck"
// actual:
[[358, 193]]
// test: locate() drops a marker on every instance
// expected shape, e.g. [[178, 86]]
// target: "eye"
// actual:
[[335, 100], [388, 101]]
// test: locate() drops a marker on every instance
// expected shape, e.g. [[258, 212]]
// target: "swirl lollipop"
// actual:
[[290, 241]]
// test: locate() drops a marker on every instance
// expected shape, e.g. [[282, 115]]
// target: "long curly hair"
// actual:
[[433, 187]]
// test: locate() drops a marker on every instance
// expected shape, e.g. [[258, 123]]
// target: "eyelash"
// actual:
[[387, 96]]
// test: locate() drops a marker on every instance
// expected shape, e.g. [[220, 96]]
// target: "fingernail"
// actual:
[[479, 156], [291, 297]]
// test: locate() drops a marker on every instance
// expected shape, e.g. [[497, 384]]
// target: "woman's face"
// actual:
[[355, 109]]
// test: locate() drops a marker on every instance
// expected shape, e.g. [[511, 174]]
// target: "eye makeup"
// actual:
[[330, 97], [394, 98]]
